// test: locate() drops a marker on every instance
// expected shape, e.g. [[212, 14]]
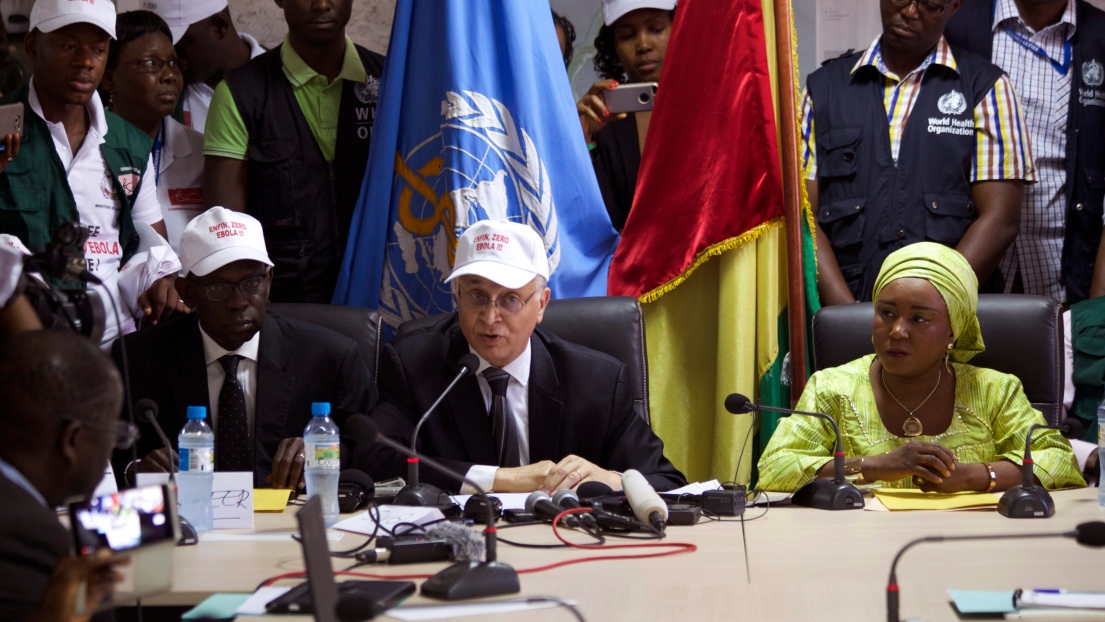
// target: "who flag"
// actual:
[[476, 121]]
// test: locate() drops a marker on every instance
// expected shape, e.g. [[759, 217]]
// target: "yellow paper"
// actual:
[[270, 499], [908, 499]]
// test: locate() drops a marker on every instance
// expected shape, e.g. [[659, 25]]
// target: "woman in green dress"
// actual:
[[915, 414]]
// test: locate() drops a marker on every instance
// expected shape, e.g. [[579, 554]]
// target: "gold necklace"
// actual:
[[912, 425]]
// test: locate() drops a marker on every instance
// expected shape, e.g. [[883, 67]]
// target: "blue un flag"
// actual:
[[476, 121]]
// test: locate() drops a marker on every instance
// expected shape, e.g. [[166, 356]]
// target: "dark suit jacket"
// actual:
[[31, 543], [579, 403], [298, 363]]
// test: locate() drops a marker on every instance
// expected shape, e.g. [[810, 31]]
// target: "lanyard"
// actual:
[[1031, 46], [157, 144]]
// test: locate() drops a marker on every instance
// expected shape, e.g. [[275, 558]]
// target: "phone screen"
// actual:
[[122, 521]]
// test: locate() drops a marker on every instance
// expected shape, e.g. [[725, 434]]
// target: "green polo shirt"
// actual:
[[226, 136]]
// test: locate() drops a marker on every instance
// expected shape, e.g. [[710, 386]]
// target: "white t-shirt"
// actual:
[[97, 204], [179, 179], [197, 97]]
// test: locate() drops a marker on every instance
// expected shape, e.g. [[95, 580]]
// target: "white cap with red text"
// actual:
[[180, 14], [613, 9], [507, 253], [49, 15], [219, 237]]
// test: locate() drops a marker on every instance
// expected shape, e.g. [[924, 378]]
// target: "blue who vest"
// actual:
[[868, 206], [1085, 163]]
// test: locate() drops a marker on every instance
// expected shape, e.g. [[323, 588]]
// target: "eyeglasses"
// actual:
[[125, 433], [930, 8], [218, 292], [510, 304], [155, 65]]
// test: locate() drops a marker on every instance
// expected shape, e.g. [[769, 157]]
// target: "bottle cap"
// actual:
[[197, 412], [320, 409]]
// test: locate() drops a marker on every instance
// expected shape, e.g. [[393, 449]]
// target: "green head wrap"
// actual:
[[953, 277]]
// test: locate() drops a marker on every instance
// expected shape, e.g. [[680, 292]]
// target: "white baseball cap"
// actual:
[[506, 253], [180, 14], [613, 9], [49, 15], [219, 237]]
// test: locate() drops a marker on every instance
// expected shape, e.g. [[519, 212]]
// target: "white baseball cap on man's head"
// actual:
[[219, 237], [180, 14], [507, 253], [49, 15], [613, 9]]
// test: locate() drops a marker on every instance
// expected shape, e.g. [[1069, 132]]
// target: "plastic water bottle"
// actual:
[[197, 469], [1101, 454], [322, 465]]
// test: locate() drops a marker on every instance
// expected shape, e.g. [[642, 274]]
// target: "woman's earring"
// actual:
[[947, 355], [110, 99]]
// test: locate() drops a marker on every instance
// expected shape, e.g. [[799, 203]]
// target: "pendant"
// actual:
[[912, 427]]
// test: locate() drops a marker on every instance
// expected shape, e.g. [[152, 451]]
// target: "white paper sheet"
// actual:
[[390, 516], [696, 488], [440, 612], [255, 605]]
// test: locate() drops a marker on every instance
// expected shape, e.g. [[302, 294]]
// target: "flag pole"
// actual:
[[792, 197]]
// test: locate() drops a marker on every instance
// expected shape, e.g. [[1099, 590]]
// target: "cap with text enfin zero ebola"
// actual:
[[507, 253], [180, 14], [219, 237], [613, 9], [49, 15]]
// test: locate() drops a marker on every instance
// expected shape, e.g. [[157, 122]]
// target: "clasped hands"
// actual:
[[932, 467], [548, 477]]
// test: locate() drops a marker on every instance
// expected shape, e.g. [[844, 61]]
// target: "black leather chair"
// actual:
[[1023, 336], [360, 325], [612, 325]]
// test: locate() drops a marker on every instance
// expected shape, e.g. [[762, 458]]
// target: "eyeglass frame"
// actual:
[[176, 65], [235, 285], [928, 7], [489, 301], [125, 432]]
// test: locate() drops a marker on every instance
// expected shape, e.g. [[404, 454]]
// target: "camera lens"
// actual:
[[644, 98]]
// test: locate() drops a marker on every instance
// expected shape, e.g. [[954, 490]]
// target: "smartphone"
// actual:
[[630, 97], [124, 521], [11, 122]]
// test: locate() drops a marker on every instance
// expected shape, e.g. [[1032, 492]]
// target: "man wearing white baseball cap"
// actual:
[[210, 46], [78, 162], [257, 373], [540, 412]]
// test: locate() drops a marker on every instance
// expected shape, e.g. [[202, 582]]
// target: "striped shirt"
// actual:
[[1045, 94], [1002, 150]]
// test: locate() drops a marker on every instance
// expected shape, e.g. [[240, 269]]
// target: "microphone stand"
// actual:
[[823, 494], [1086, 534], [462, 580], [1027, 500]]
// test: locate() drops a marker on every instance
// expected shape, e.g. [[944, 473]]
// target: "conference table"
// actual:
[[803, 564]]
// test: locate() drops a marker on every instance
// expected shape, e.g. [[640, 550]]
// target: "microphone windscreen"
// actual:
[[738, 404], [467, 544], [560, 495], [355, 606], [592, 489], [642, 496], [533, 498], [361, 429], [1071, 427], [1091, 534], [358, 477], [145, 410], [469, 361]]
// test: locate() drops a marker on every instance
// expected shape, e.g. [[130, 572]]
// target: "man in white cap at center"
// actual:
[[539, 414]]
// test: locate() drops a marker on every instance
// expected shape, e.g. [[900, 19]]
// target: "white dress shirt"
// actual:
[[247, 376], [517, 402]]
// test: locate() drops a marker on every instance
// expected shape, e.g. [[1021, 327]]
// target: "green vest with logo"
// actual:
[[35, 197]]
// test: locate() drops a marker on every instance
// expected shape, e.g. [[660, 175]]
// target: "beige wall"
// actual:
[[370, 25]]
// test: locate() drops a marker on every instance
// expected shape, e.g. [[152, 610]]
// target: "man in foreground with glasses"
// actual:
[[59, 423], [539, 414], [911, 140], [256, 373]]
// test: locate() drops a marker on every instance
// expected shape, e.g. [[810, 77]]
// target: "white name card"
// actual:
[[231, 497]]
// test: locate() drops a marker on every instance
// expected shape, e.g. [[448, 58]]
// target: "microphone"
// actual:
[[415, 493], [462, 579], [823, 494], [147, 412], [355, 490], [1027, 500], [540, 505], [647, 506], [567, 499], [590, 489], [1087, 534]]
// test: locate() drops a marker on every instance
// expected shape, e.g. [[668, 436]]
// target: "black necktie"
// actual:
[[232, 446], [502, 423]]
